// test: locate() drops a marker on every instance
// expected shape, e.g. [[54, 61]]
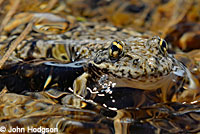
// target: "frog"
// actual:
[[100, 66], [136, 63]]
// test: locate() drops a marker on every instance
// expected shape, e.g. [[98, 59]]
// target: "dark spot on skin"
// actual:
[[135, 61], [143, 75], [32, 49], [157, 60], [145, 71], [160, 73], [122, 71], [105, 70], [163, 60], [165, 71], [151, 74], [152, 69], [116, 75], [64, 37], [130, 75], [137, 72]]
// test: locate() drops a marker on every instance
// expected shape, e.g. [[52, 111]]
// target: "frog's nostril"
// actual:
[[136, 61]]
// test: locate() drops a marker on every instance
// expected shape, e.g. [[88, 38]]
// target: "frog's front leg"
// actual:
[[80, 85], [87, 86]]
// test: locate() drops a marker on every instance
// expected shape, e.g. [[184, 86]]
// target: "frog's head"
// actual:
[[135, 58]]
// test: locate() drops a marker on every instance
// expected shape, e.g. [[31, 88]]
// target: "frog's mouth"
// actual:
[[122, 80], [147, 84]]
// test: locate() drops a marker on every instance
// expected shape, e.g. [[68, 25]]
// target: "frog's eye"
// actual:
[[163, 46], [116, 49]]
